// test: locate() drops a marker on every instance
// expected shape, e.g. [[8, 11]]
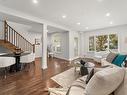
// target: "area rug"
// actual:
[[66, 78]]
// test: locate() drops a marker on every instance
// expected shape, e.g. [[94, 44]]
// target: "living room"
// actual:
[[63, 47]]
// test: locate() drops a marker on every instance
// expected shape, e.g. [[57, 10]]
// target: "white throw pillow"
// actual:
[[105, 81], [122, 89]]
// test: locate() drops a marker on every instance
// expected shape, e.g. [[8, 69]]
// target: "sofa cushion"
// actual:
[[78, 87], [111, 56], [119, 60], [104, 82], [122, 89]]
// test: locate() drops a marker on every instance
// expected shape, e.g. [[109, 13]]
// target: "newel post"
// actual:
[[33, 48], [5, 28]]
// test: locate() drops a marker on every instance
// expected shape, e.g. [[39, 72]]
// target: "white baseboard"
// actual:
[[62, 58], [73, 58]]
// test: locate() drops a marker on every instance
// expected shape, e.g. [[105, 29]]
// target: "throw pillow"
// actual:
[[105, 81], [119, 60], [89, 76], [111, 56]]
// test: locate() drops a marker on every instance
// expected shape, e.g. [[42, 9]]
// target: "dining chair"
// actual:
[[27, 59], [6, 62]]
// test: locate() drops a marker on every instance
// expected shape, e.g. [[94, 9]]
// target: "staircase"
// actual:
[[14, 41]]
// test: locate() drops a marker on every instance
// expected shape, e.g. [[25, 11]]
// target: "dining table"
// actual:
[[17, 66]]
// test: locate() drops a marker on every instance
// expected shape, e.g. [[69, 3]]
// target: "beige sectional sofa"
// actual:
[[122, 89], [104, 82]]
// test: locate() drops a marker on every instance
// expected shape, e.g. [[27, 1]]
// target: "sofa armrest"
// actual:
[[77, 87]]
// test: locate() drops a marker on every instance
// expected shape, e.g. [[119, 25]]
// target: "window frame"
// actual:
[[93, 43], [108, 39], [55, 48]]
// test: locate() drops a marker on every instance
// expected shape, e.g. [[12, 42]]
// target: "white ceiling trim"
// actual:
[[31, 18]]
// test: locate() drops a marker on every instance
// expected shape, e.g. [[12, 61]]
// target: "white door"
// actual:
[[75, 46]]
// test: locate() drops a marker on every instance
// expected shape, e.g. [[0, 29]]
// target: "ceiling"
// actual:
[[33, 27], [89, 13]]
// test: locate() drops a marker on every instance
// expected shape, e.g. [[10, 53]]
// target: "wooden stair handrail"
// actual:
[[12, 36]]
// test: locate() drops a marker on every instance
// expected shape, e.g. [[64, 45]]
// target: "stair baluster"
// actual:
[[13, 37]]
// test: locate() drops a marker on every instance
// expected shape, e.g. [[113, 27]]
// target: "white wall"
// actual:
[[38, 48], [120, 30]]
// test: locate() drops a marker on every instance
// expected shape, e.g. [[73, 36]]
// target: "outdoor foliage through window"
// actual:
[[113, 41], [103, 42]]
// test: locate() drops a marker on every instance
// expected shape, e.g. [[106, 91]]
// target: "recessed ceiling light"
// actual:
[[64, 16], [87, 28], [108, 14], [111, 22], [35, 1], [78, 23]]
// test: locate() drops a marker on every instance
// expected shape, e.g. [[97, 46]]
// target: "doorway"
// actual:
[[76, 46]]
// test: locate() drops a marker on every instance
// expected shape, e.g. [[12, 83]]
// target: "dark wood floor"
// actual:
[[35, 81]]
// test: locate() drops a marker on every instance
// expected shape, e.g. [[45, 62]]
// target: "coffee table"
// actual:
[[77, 65]]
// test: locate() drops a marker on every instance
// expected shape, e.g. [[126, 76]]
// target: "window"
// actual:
[[91, 43], [103, 42], [56, 41], [113, 42]]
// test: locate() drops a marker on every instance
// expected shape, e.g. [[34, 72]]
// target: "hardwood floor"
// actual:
[[35, 81]]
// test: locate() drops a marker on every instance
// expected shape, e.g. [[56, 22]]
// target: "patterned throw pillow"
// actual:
[[111, 56]]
